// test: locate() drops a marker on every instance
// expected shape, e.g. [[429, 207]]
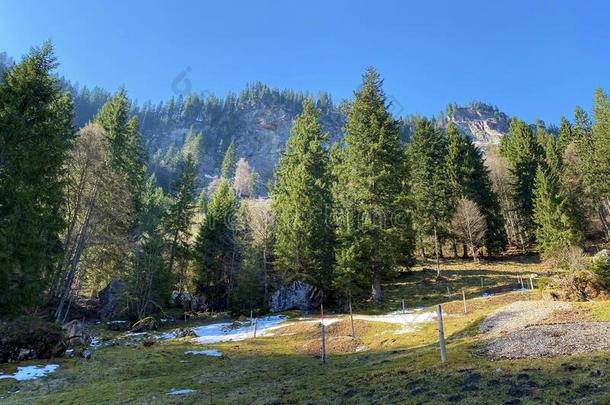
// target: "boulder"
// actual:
[[186, 300], [184, 332], [144, 325], [75, 333], [298, 295], [85, 354], [30, 339], [113, 300]]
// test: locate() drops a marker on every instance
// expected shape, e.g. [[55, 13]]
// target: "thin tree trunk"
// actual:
[[422, 247], [464, 251], [78, 250], [376, 289], [436, 250], [454, 247]]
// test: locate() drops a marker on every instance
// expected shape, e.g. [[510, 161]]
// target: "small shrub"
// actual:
[[600, 266], [572, 259], [580, 285]]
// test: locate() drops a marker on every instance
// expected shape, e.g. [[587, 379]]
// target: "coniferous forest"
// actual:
[[82, 206], [110, 217]]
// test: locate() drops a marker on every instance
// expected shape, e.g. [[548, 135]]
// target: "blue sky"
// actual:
[[533, 59]]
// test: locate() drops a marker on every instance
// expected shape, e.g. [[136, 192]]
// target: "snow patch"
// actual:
[[28, 373], [399, 318], [233, 331], [210, 352], [185, 391]]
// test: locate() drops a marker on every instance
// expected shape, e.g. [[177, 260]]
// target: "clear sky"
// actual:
[[533, 59]]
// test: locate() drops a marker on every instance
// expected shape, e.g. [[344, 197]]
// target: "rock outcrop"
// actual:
[[298, 295], [112, 300], [483, 123], [30, 339]]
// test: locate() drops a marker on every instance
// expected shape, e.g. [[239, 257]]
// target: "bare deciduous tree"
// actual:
[[469, 225], [241, 181], [97, 203]]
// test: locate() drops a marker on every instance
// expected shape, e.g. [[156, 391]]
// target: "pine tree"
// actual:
[[149, 277], [181, 209], [521, 149], [599, 166], [555, 230], [35, 136], [215, 247], [127, 152], [433, 190], [302, 201], [229, 161], [374, 229], [470, 179], [566, 134]]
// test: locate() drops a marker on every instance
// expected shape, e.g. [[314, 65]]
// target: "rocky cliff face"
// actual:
[[484, 123], [263, 133]]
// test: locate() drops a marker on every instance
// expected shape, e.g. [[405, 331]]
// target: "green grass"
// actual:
[[395, 368]]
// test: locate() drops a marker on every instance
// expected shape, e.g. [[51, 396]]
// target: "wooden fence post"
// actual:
[[323, 334], [464, 299], [441, 333], [351, 316]]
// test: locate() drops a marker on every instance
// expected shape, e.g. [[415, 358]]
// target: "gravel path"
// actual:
[[515, 332], [551, 340], [519, 315]]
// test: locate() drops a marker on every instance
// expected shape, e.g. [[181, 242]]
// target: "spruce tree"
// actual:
[[181, 209], [35, 136], [127, 153], [470, 179], [521, 149], [599, 165], [555, 229], [229, 161], [214, 247], [302, 202], [374, 228], [433, 188]]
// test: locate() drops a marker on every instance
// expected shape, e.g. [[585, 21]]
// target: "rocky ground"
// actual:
[[523, 329]]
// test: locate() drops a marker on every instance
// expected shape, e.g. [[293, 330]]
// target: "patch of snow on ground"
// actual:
[[399, 318], [28, 373], [233, 331], [175, 391], [210, 352]]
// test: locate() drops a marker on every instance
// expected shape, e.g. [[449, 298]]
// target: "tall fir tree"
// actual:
[[181, 209], [521, 149], [302, 201], [599, 165], [470, 179], [374, 227], [35, 136], [127, 152], [556, 227], [227, 169], [432, 186], [214, 247], [149, 278]]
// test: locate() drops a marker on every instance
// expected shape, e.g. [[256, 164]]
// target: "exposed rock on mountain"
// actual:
[[484, 123]]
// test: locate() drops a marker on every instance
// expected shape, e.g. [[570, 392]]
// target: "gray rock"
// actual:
[[145, 325], [113, 299], [85, 354], [184, 332], [298, 295], [76, 334], [186, 300]]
